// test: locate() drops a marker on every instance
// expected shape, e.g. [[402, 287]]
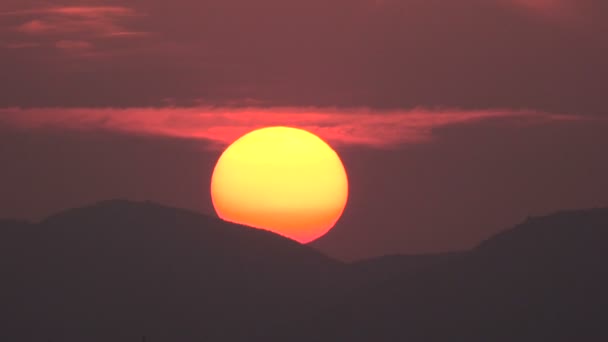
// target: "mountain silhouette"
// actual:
[[544, 280], [377, 270], [122, 269], [119, 270]]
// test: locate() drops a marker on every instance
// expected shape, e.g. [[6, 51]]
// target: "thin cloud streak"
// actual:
[[221, 126], [76, 31], [101, 21], [94, 11], [558, 11]]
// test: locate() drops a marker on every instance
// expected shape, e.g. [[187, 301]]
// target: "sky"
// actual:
[[454, 119]]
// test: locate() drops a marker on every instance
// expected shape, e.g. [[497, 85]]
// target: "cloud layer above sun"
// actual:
[[385, 54], [221, 126]]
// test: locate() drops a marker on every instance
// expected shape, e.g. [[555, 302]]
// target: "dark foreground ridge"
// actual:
[[544, 280], [118, 270]]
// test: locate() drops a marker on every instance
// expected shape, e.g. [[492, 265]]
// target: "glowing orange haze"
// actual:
[[221, 126], [282, 179]]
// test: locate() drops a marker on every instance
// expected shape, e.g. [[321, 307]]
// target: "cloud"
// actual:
[[389, 54], [220, 126], [92, 21], [34, 27], [559, 11], [23, 45], [61, 27], [73, 45], [541, 5], [92, 11]]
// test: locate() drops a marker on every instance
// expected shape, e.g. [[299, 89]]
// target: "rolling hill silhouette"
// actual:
[[544, 280], [117, 270], [121, 269]]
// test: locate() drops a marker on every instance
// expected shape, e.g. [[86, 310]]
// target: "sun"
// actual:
[[282, 179]]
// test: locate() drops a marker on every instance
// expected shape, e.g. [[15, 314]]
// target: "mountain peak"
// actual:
[[567, 229]]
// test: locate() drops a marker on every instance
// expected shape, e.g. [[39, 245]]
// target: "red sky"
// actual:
[[455, 118]]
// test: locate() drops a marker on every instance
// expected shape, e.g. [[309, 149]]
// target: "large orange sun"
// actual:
[[282, 179]]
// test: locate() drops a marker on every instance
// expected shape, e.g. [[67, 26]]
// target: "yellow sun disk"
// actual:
[[282, 179]]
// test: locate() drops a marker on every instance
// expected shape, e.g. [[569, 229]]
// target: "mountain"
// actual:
[[118, 270], [380, 269], [544, 280]]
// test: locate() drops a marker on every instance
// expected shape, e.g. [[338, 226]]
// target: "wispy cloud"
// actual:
[[93, 21], [554, 9], [73, 45], [91, 11], [63, 25], [23, 45], [220, 126]]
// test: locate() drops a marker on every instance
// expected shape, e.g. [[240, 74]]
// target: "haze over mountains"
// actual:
[[118, 270]]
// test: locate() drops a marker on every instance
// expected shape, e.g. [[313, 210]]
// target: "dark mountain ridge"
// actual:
[[544, 280], [125, 268], [117, 270]]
